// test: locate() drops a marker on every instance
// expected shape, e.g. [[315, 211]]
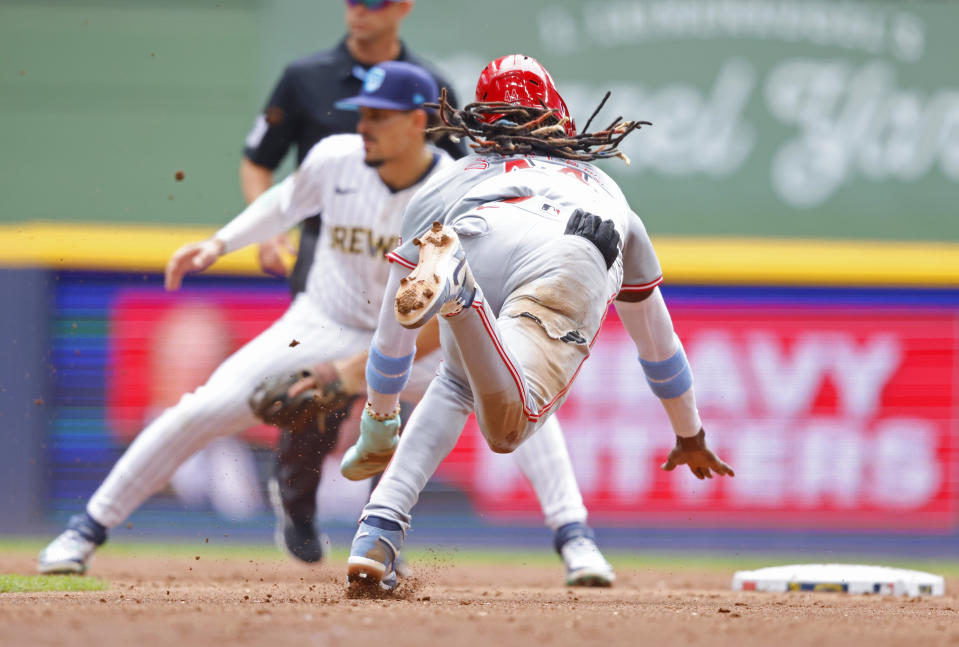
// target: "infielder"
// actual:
[[362, 183], [507, 246], [298, 113]]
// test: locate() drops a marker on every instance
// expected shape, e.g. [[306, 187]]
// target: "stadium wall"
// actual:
[[834, 395]]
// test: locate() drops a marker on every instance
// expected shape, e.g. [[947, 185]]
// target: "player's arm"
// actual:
[[266, 145], [271, 213], [392, 352], [643, 311], [669, 376], [297, 197], [254, 221], [191, 258], [351, 371], [254, 181]]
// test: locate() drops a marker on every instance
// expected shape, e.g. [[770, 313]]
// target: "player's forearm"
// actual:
[[352, 370], [428, 338], [267, 216], [663, 360], [255, 180], [391, 352]]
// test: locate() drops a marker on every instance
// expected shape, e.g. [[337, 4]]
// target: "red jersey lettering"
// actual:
[[515, 165]]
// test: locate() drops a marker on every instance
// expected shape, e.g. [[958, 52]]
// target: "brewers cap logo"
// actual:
[[374, 79]]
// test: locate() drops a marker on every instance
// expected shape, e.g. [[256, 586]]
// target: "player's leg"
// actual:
[[545, 462], [299, 456], [543, 459], [551, 291], [218, 408], [293, 488], [429, 437]]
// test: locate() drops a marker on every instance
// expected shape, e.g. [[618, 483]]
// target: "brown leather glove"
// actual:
[[700, 458], [302, 399]]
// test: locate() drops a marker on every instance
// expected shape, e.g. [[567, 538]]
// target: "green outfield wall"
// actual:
[[772, 118]]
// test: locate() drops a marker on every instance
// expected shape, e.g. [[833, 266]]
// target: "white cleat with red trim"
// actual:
[[441, 283]]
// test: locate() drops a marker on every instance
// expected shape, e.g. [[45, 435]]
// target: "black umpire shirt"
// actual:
[[300, 111]]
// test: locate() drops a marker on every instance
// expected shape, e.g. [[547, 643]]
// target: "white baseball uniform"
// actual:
[[333, 318], [510, 213]]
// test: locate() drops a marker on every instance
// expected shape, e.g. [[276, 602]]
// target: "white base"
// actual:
[[846, 578]]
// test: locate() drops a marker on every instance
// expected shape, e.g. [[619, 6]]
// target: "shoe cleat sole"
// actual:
[[368, 465], [62, 568], [423, 287], [589, 579], [365, 574]]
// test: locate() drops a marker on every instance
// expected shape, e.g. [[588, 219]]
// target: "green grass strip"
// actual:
[[11, 583], [219, 548]]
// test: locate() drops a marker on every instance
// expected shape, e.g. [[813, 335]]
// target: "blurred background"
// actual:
[[800, 184]]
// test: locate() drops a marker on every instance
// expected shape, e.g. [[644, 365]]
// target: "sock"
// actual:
[[382, 524], [569, 532], [90, 528]]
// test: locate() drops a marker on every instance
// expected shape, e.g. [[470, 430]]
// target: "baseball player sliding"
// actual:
[[361, 183], [519, 249]]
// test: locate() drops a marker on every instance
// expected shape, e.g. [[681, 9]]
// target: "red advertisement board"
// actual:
[[833, 418], [163, 345], [839, 418]]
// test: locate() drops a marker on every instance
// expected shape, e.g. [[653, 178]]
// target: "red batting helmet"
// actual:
[[522, 80]]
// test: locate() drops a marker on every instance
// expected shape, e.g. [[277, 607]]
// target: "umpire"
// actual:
[[300, 112]]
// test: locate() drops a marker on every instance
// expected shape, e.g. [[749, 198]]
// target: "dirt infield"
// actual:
[[185, 601]]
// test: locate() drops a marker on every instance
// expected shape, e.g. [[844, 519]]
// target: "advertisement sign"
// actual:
[[163, 345], [832, 417], [770, 117]]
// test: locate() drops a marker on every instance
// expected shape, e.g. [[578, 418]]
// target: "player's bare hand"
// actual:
[[271, 255], [191, 258], [320, 376], [702, 462]]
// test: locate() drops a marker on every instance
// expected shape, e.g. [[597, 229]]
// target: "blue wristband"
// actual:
[[390, 365], [669, 378], [385, 384], [667, 368], [385, 374]]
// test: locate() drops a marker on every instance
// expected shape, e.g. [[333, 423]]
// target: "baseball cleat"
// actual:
[[374, 448], [371, 565], [73, 549], [441, 283], [403, 569], [582, 559], [297, 538]]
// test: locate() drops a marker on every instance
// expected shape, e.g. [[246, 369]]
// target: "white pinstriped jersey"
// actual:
[[361, 224], [478, 179]]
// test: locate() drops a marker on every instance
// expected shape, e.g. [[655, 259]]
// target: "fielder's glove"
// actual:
[[313, 402]]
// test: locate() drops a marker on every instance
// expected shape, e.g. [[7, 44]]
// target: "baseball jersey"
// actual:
[[479, 179], [300, 112], [361, 224]]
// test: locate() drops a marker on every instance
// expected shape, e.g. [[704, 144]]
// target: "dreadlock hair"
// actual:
[[521, 130]]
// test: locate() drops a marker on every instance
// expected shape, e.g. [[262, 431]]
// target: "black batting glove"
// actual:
[[600, 232]]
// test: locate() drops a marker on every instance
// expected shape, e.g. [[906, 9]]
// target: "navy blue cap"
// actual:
[[393, 85]]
